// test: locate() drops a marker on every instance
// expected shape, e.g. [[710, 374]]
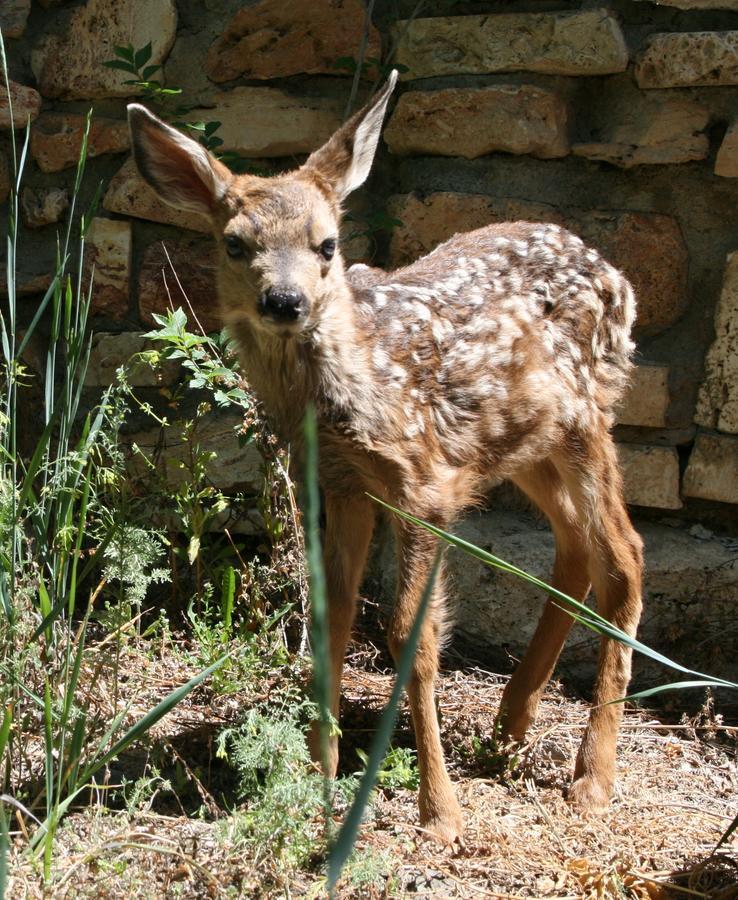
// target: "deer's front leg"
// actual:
[[439, 809], [349, 526]]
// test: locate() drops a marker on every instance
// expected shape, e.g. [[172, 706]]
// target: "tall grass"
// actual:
[[54, 532]]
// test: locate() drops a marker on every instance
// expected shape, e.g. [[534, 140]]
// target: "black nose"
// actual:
[[285, 304]]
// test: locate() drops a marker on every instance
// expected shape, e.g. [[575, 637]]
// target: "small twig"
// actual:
[[360, 62], [179, 285]]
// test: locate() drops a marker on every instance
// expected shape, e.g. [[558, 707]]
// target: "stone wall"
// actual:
[[618, 120]]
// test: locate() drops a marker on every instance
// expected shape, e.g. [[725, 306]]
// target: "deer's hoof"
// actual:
[[588, 794], [445, 827]]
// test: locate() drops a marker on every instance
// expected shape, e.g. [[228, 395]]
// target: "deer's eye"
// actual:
[[328, 248], [235, 247]]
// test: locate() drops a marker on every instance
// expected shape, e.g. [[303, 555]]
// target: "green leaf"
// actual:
[[120, 64], [149, 71], [142, 56], [193, 549], [127, 52]]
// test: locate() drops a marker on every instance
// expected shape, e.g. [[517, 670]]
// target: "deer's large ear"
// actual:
[[180, 170], [344, 162]]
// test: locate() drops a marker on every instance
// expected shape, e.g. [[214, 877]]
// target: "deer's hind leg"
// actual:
[[545, 487], [592, 476]]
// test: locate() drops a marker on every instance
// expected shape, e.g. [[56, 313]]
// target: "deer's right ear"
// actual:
[[180, 170]]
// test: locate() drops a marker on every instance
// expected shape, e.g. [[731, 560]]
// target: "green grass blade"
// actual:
[[318, 602], [727, 834], [672, 686], [346, 838], [579, 611], [151, 718]]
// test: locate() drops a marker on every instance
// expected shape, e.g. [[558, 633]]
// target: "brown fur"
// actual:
[[498, 355]]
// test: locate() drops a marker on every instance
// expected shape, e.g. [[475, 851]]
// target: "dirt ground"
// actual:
[[677, 792]]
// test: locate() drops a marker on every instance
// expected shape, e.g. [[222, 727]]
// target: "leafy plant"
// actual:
[[136, 63], [56, 532], [398, 770]]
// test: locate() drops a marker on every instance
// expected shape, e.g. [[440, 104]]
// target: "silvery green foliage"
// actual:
[[131, 560]]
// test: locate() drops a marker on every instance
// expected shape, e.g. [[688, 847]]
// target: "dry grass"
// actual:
[[677, 791]]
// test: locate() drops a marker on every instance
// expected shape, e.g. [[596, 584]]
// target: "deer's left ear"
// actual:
[[344, 162]]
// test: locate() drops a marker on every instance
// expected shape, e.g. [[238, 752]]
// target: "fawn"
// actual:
[[498, 355]]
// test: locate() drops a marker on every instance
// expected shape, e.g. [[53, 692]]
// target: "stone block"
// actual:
[[690, 587], [472, 122], [650, 475], [56, 139], [586, 42], [646, 130], [274, 39], [712, 471], [69, 65], [129, 195], [647, 399], [689, 59], [110, 352], [43, 206], [13, 17], [234, 467], [726, 162], [180, 274], [108, 262], [265, 122], [26, 104], [648, 247], [717, 404]]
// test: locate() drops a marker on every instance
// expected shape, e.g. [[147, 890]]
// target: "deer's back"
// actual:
[[498, 335]]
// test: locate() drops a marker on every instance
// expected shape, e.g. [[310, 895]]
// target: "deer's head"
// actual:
[[279, 258]]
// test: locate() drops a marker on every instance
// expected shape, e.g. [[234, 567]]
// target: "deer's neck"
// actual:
[[327, 366]]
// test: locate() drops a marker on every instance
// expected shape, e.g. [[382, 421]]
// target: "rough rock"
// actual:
[[717, 405], [13, 17], [69, 66], [650, 475], [5, 180], [234, 467], [27, 284], [647, 398], [108, 250], [648, 247], [726, 162], [587, 42], [690, 587], [471, 122], [689, 59], [43, 206], [26, 105], [187, 281], [261, 121], [273, 39], [110, 352], [56, 139], [652, 130], [129, 195], [712, 471]]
